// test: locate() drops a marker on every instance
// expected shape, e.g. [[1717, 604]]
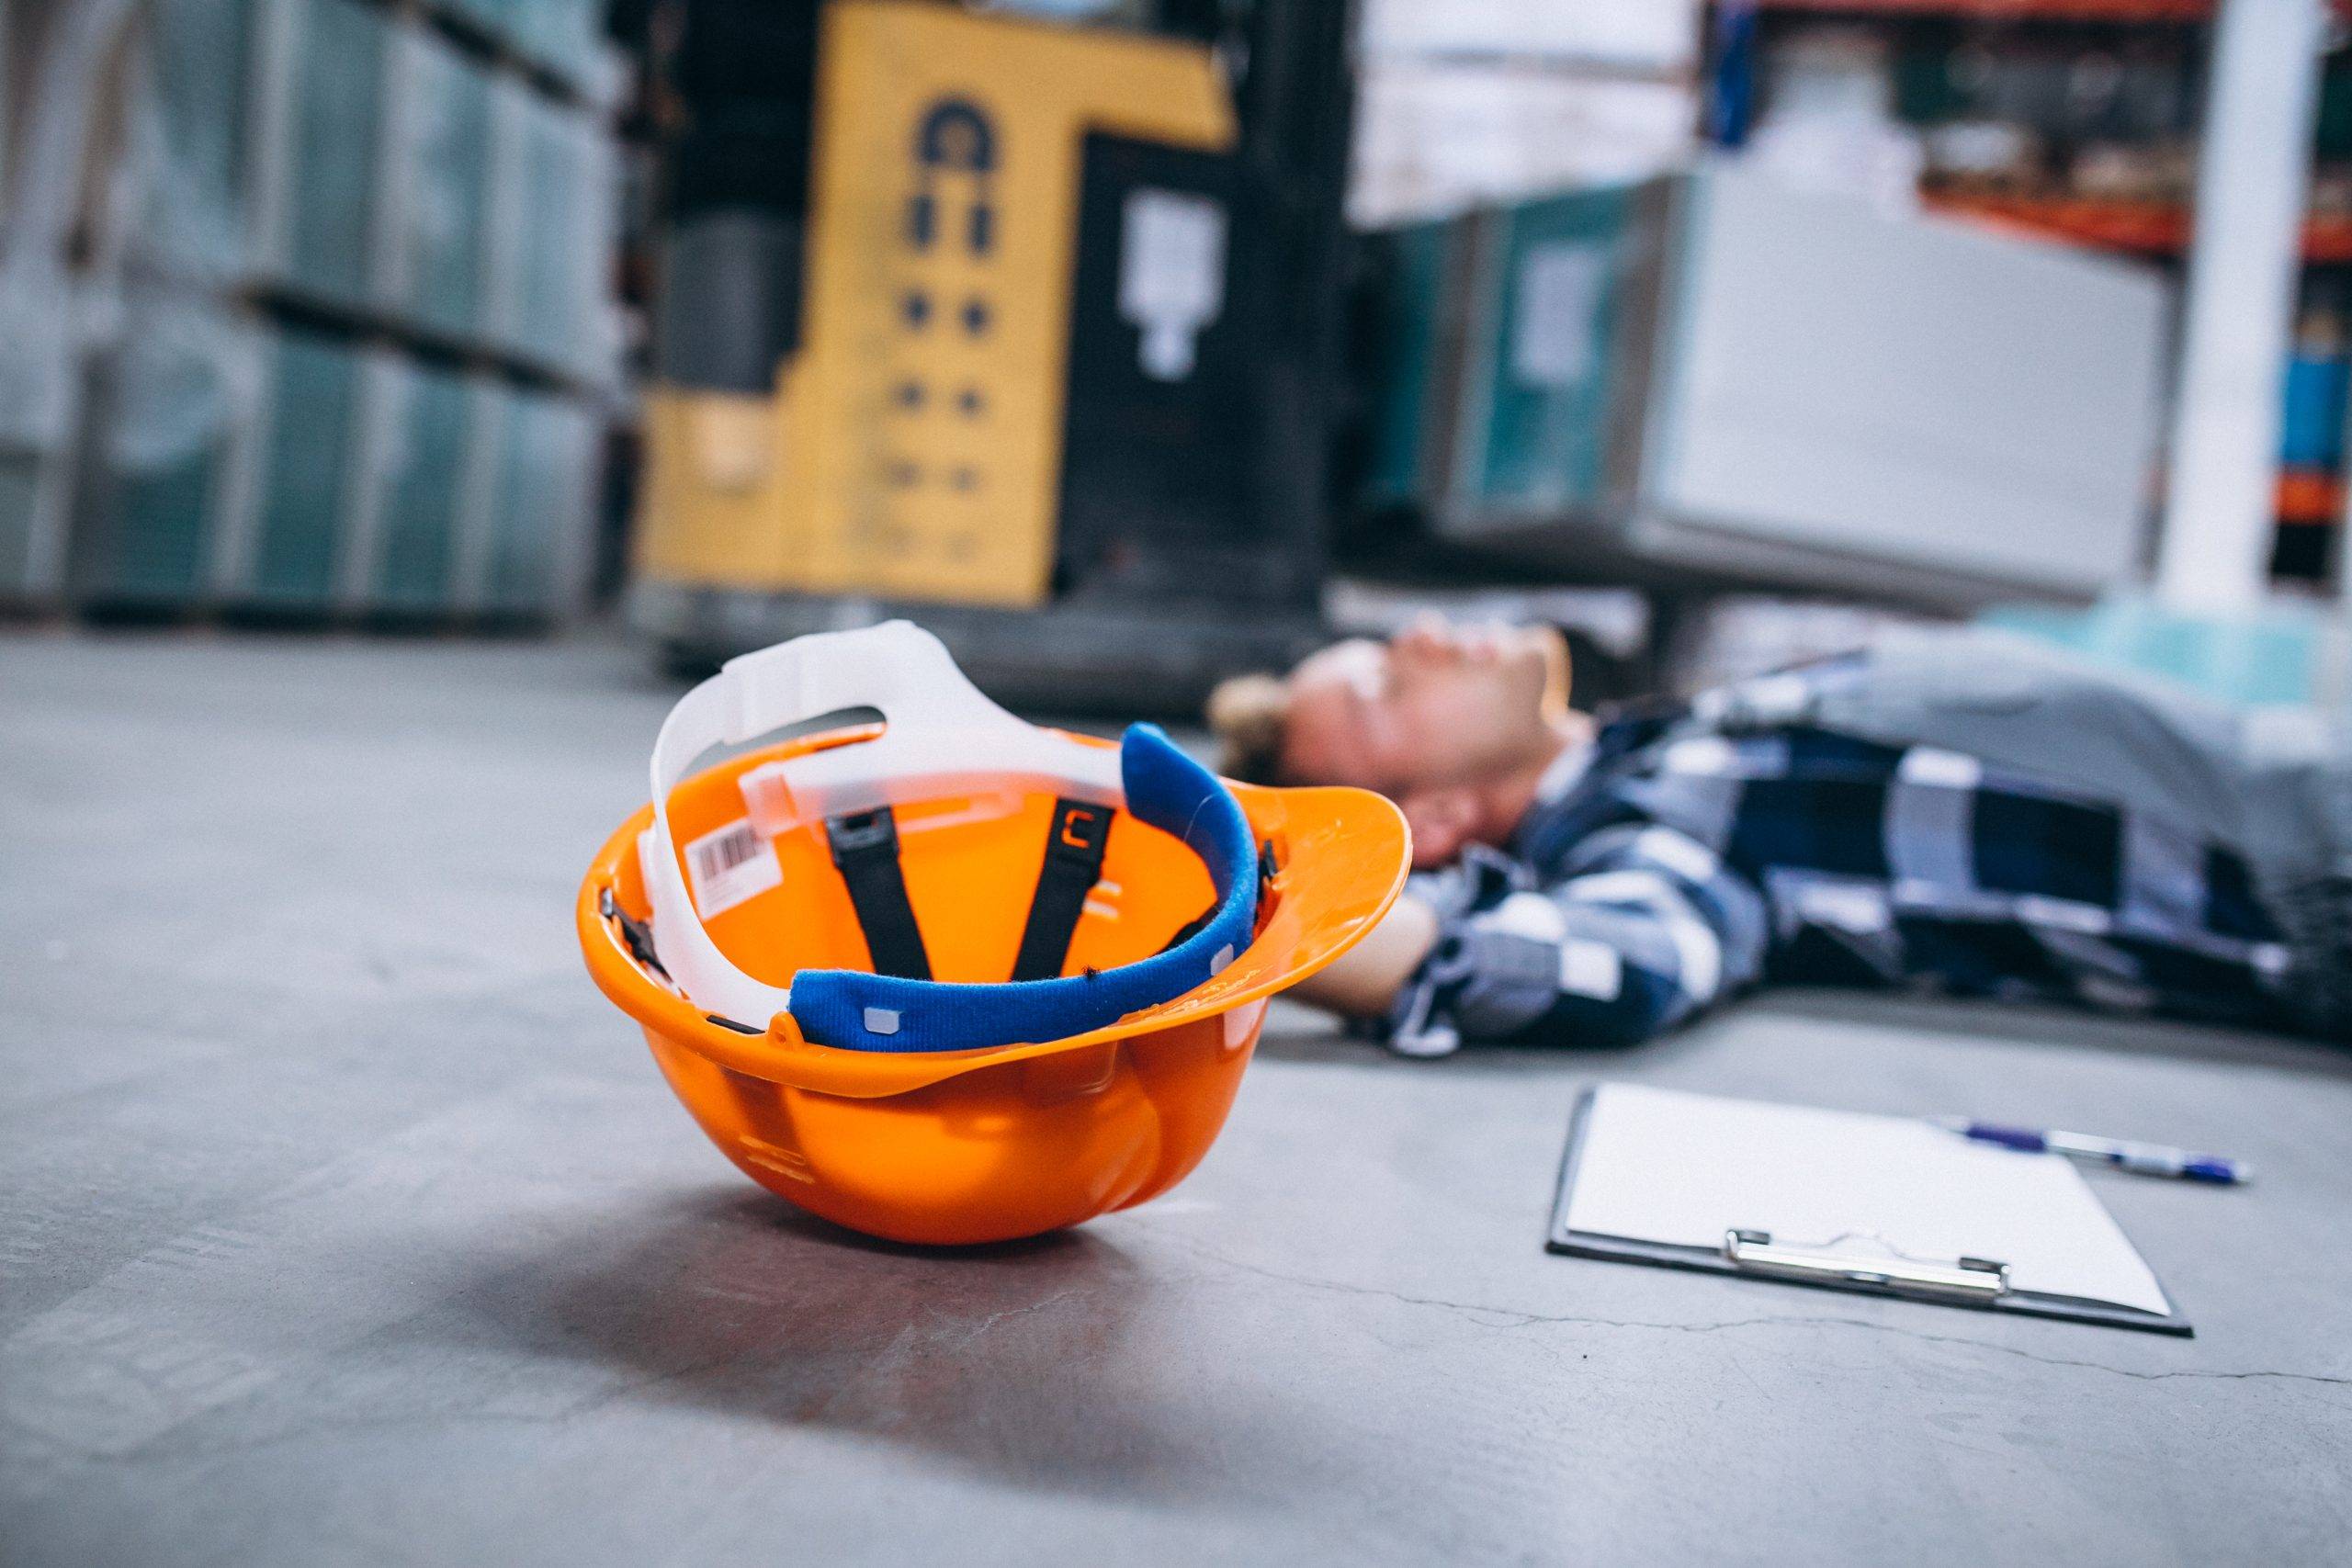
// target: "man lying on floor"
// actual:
[[1951, 810]]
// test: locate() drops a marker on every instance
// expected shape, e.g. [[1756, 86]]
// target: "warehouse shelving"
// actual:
[[388, 288], [2051, 192]]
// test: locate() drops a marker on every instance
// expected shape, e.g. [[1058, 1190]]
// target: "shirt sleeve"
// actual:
[[1644, 927]]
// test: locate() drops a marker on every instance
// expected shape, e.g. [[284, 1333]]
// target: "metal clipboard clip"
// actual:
[[1965, 1279]]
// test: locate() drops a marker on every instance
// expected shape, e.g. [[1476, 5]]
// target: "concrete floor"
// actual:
[[341, 1221]]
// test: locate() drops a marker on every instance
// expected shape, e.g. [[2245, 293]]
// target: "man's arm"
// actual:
[[1645, 927], [1364, 981]]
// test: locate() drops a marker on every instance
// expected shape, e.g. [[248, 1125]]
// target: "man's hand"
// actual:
[[1365, 979]]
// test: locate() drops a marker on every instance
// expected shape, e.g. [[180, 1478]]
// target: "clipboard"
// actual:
[[1841, 1200]]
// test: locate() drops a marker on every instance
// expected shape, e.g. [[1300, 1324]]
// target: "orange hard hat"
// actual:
[[939, 975]]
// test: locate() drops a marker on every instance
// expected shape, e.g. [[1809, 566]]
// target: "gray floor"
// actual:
[[341, 1221]]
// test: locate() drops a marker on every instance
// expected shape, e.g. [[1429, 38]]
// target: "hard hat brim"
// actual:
[[1343, 855]]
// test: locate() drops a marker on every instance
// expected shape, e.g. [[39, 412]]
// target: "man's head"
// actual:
[[1450, 722]]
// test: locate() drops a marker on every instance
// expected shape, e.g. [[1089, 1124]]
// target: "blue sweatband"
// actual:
[[857, 1011]]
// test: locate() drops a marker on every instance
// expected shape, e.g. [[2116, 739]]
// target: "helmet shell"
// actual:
[[966, 1146]]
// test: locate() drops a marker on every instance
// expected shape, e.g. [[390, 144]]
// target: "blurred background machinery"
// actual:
[[1713, 379], [1033, 327]]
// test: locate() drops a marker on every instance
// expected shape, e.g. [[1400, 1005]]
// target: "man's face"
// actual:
[[1433, 707]]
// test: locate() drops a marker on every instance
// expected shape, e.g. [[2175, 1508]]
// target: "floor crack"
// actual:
[[1513, 1317], [982, 1325]]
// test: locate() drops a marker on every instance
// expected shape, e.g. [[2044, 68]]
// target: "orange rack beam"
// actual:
[[2014, 10], [2119, 11], [2147, 228], [2310, 497]]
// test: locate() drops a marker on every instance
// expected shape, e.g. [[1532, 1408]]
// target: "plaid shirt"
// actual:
[[1686, 854]]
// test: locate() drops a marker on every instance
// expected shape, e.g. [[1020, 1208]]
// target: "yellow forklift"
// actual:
[[1026, 327]]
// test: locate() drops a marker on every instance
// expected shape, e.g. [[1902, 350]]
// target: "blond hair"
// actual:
[[1249, 714]]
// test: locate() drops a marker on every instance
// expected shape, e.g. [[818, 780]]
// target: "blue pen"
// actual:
[[2144, 1160]]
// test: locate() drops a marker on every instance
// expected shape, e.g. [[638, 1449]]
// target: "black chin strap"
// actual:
[[1075, 839], [866, 848]]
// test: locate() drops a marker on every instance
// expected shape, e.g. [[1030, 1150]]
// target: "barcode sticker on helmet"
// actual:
[[729, 865]]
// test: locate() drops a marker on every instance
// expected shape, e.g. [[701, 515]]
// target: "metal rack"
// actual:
[[360, 270], [2309, 504]]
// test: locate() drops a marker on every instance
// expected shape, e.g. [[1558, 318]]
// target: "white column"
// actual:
[[2252, 177]]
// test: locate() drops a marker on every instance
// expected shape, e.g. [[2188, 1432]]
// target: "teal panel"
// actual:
[[1550, 365], [445, 215], [20, 488], [1413, 292], [163, 532], [198, 207], [422, 486], [338, 111], [492, 16], [547, 457], [2269, 657], [313, 402], [566, 241], [184, 380], [559, 35], [521, 525]]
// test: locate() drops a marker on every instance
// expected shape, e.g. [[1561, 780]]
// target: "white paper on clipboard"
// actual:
[[1664, 1166]]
